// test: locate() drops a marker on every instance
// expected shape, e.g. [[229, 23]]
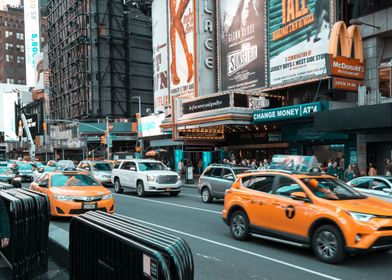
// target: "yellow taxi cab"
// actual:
[[307, 209], [73, 192]]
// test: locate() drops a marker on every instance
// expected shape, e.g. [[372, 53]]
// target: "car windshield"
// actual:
[[102, 166], [72, 180], [240, 170], [147, 166], [331, 189]]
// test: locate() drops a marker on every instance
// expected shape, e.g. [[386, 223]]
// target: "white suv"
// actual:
[[145, 176]]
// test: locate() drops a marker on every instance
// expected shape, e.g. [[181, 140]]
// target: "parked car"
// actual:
[[72, 192], [377, 186], [100, 170], [216, 179], [25, 169], [145, 176], [307, 209]]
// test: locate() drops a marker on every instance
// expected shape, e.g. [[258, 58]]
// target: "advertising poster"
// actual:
[[39, 74], [298, 40], [32, 38], [181, 51], [160, 52], [242, 44]]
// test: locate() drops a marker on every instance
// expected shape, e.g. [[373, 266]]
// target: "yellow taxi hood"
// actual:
[[368, 205], [80, 191]]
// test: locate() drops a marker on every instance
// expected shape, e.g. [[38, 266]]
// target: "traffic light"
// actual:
[[103, 139]]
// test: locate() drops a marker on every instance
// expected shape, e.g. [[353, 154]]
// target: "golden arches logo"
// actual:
[[350, 40]]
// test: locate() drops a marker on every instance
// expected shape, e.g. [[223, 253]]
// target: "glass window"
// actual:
[[208, 172], [72, 180], [240, 170], [331, 189], [102, 166], [8, 34], [286, 187], [362, 183], [227, 174], [246, 181], [379, 185], [9, 58], [19, 59], [9, 46], [217, 173], [146, 166], [126, 165], [117, 165], [262, 183], [384, 75]]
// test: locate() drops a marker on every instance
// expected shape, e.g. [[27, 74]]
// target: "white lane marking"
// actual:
[[242, 250], [171, 204]]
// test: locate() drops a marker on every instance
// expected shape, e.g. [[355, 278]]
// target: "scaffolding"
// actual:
[[89, 59]]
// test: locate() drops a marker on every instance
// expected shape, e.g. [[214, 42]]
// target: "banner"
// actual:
[[298, 40], [242, 44], [181, 51], [32, 38], [160, 53]]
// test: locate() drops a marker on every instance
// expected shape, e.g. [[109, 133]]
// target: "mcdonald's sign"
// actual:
[[345, 52]]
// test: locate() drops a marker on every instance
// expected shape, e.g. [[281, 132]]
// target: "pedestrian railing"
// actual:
[[5, 186], [27, 253], [105, 246]]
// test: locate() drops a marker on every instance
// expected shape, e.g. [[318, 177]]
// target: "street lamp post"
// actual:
[[137, 133]]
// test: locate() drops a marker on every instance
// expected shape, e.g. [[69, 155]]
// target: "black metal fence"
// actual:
[[5, 186], [105, 246], [27, 253]]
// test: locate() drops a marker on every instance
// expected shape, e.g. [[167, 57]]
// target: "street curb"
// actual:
[[189, 186], [58, 245]]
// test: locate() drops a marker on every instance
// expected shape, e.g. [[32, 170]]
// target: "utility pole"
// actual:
[[137, 133], [107, 139]]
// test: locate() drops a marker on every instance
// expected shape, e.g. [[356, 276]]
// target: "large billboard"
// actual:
[[32, 38], [39, 72], [182, 58], [242, 44], [160, 53], [298, 40], [7, 115]]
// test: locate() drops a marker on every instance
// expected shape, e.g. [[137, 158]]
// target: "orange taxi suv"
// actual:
[[307, 209], [72, 192]]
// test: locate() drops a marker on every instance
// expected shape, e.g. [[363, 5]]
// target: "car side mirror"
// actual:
[[168, 168], [299, 196], [43, 184], [230, 178]]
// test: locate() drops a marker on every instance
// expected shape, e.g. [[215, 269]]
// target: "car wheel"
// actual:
[[117, 186], [174, 193], [328, 244], [140, 189], [239, 225], [206, 196]]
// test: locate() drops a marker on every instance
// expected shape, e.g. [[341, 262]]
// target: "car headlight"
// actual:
[[362, 217], [17, 178], [151, 178], [178, 178], [63, 197], [107, 196]]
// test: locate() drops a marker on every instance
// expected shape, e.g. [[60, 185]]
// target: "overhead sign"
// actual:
[[160, 52], [258, 102], [32, 38], [341, 66], [150, 125], [206, 104], [242, 44], [182, 50], [298, 40], [39, 71], [345, 84], [208, 133], [197, 148], [286, 113]]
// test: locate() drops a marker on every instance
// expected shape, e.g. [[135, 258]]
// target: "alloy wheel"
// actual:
[[238, 225], [327, 244]]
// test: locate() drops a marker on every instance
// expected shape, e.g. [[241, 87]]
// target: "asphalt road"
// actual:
[[218, 256]]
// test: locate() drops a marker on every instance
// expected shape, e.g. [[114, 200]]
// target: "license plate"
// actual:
[[89, 206], [168, 189]]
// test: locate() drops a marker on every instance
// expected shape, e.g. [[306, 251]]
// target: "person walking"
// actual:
[[181, 167], [372, 170], [357, 172], [4, 225], [349, 173], [200, 166]]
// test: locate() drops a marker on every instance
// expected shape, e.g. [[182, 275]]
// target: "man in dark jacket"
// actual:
[[4, 225]]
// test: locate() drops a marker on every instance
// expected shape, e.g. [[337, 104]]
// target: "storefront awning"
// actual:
[[374, 117]]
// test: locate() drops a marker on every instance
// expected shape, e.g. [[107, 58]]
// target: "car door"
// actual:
[[123, 173], [256, 198], [132, 174], [225, 183], [288, 215], [216, 181]]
